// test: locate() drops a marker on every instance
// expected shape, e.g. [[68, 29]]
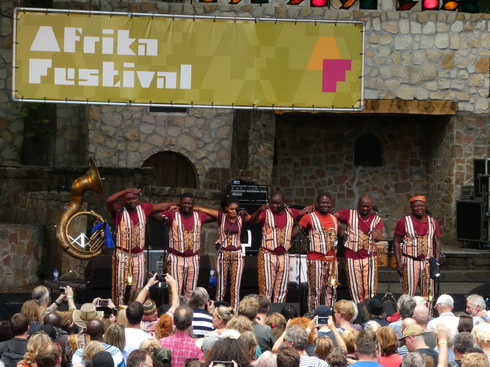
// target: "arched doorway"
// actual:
[[172, 170]]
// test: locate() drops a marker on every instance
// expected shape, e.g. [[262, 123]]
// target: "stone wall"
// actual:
[[126, 137], [21, 250], [315, 153]]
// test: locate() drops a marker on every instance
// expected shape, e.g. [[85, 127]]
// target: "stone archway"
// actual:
[[172, 170]]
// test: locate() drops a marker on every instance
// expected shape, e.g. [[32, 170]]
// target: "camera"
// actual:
[[62, 289], [102, 302], [161, 277], [322, 320]]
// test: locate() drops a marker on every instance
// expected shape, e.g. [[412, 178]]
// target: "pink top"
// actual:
[[395, 360]]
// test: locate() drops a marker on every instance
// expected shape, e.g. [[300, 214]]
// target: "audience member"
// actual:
[[228, 349], [31, 310], [95, 330], [90, 349], [474, 360], [289, 312], [221, 316], [343, 313], [164, 326], [297, 337], [481, 336], [81, 317], [264, 304], [406, 306], [288, 357], [337, 358], [465, 324], [368, 353], [445, 306], [375, 311], [250, 344], [49, 355], [6, 332], [388, 342], [324, 345], [267, 359], [40, 294], [462, 342], [421, 317], [310, 327], [115, 335], [203, 308], [180, 344], [349, 337], [13, 350], [240, 323], [34, 345], [249, 307], [413, 359], [413, 337], [475, 306], [139, 358], [134, 335], [100, 359], [162, 357]]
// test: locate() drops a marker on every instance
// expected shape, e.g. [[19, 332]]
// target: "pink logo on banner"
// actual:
[[326, 57], [334, 71]]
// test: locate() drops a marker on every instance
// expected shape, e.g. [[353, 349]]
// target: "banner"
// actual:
[[220, 62]]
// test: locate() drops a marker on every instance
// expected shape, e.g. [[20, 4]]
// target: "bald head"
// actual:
[[95, 329], [52, 318], [407, 322], [365, 205], [421, 315], [40, 294]]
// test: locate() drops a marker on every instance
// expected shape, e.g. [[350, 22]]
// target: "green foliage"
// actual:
[[36, 117]]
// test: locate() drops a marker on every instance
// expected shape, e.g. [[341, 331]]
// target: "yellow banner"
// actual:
[[137, 59]]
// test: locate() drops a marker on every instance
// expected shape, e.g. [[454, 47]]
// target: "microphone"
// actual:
[[428, 211], [282, 206], [376, 209]]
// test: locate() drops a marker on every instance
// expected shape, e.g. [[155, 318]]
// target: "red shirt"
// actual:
[[421, 228], [133, 214], [327, 221], [364, 226], [230, 227]]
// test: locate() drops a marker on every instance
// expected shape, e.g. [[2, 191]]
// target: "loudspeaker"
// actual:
[[471, 224], [481, 170], [8, 309], [98, 273]]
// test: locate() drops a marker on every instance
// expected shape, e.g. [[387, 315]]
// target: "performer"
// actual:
[[130, 221], [229, 258], [361, 263], [322, 233], [184, 243], [413, 245], [277, 221]]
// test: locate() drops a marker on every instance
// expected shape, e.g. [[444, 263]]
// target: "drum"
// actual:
[[382, 252]]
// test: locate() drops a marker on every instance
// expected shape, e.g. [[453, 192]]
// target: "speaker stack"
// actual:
[[472, 210]]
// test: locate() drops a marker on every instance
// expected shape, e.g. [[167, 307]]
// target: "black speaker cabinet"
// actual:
[[471, 222], [481, 170]]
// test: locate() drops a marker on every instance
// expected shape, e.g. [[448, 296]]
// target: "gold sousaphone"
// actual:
[[76, 242]]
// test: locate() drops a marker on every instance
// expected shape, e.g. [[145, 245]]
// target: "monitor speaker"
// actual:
[[471, 223]]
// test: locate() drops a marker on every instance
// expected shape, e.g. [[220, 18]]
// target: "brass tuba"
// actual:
[[82, 246]]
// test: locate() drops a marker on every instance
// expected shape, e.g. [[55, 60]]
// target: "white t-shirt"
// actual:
[[134, 337]]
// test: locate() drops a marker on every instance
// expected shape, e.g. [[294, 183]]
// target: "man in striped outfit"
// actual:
[[322, 234], [277, 221], [363, 230], [184, 243], [130, 221], [413, 245]]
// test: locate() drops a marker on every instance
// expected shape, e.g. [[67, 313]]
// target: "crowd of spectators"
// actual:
[[202, 333]]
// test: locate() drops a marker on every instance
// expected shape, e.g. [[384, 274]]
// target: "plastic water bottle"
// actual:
[[55, 274], [212, 278]]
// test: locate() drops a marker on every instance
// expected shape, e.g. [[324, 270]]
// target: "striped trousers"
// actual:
[[273, 275], [229, 262], [120, 273], [362, 276], [319, 272], [416, 274], [185, 271]]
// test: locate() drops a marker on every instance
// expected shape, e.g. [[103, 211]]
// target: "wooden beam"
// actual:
[[410, 107], [396, 106]]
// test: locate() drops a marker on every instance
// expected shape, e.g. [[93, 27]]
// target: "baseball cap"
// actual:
[[445, 298], [412, 330], [162, 356]]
